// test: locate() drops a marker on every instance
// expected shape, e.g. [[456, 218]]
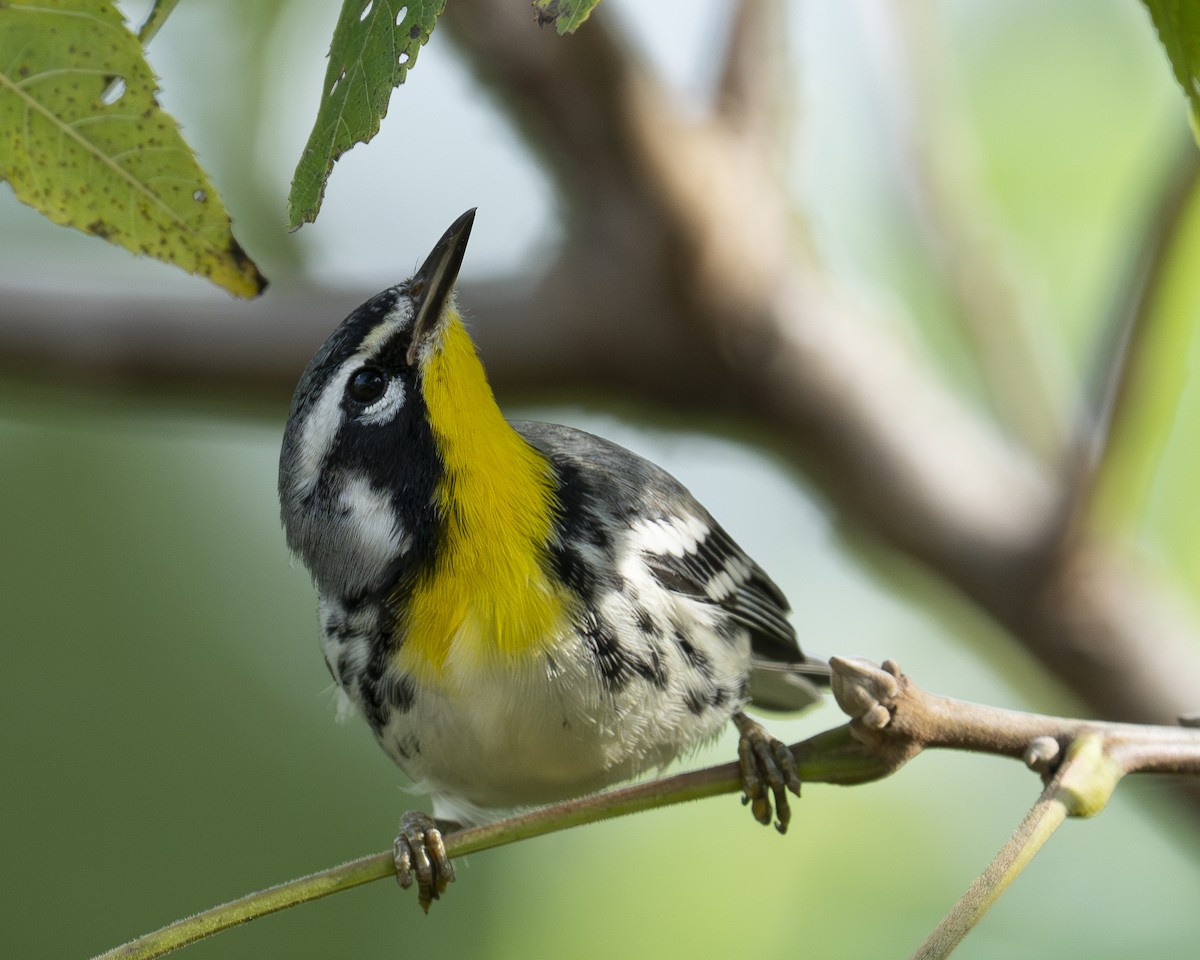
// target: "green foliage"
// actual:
[[83, 140], [566, 15], [374, 45], [1178, 24]]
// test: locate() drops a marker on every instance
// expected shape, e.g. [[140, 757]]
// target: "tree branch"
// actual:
[[830, 757], [750, 95], [892, 720], [1081, 762], [1046, 816], [895, 720]]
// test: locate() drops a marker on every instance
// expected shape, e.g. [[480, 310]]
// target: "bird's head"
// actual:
[[360, 463]]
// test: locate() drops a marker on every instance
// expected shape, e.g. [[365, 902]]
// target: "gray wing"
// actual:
[[606, 490]]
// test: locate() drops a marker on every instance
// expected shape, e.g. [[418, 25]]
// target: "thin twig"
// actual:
[[896, 719], [1084, 760], [155, 19], [830, 757], [1048, 814], [892, 721]]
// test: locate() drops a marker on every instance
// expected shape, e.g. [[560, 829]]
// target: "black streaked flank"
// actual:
[[697, 701], [345, 667], [570, 568], [380, 688], [698, 659], [399, 692], [617, 665], [647, 624], [612, 660], [653, 670]]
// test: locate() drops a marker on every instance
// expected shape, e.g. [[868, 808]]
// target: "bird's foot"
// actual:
[[768, 769], [420, 853]]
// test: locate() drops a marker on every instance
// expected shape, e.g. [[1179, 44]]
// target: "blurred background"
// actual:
[[169, 740]]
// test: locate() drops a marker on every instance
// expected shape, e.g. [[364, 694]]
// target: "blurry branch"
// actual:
[[686, 279], [753, 78], [892, 720], [1123, 352], [1019, 364], [698, 289], [1135, 312], [136, 339]]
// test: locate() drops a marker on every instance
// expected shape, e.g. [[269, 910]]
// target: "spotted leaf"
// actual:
[[83, 140]]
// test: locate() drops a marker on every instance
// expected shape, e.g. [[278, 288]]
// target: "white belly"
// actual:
[[500, 737], [502, 733], [506, 739]]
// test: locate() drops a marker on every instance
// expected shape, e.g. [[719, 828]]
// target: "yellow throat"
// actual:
[[487, 596]]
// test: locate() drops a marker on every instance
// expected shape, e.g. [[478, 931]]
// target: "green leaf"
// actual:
[[566, 15], [83, 140], [1178, 25], [375, 43]]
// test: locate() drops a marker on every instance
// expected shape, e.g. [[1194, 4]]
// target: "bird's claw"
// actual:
[[768, 770], [420, 853]]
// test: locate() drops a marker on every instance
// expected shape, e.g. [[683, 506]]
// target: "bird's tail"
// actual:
[[788, 687]]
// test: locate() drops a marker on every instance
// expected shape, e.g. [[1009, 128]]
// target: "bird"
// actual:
[[523, 612]]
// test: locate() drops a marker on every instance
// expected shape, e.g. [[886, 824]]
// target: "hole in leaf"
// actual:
[[401, 14], [403, 58], [200, 196], [113, 92], [366, 10], [336, 80]]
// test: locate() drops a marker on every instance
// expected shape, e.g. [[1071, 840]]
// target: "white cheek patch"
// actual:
[[371, 525], [386, 407]]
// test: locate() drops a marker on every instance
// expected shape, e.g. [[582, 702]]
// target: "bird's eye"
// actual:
[[366, 385]]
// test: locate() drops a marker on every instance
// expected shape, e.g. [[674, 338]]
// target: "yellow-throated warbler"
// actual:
[[523, 612]]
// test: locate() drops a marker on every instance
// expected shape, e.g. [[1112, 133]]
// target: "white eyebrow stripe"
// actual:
[[395, 320]]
